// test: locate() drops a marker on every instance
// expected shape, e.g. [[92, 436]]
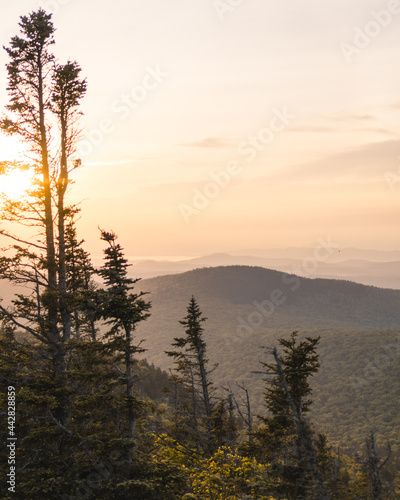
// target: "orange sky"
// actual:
[[215, 128]]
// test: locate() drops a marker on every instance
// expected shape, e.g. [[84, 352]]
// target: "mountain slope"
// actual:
[[342, 264], [247, 307], [296, 301]]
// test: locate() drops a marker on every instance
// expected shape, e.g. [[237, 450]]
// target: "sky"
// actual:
[[222, 125]]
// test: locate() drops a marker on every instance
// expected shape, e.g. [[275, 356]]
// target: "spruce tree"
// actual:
[[224, 425], [80, 286], [122, 310], [286, 438], [193, 375]]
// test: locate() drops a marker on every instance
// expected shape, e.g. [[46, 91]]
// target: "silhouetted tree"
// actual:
[[287, 436], [81, 289], [122, 310], [67, 92], [373, 465], [224, 425], [192, 373]]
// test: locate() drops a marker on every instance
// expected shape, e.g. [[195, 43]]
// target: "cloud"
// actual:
[[346, 117], [337, 122], [364, 163], [394, 105], [113, 162], [321, 129], [361, 117], [384, 131], [209, 142], [312, 129]]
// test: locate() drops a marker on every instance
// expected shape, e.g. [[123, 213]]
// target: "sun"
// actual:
[[15, 183]]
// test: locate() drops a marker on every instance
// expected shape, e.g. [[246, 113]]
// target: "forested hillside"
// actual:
[[298, 303], [359, 380], [382, 270]]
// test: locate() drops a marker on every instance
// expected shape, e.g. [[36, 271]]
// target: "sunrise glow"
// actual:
[[15, 184]]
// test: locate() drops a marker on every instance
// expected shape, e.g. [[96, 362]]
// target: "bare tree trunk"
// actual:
[[204, 386], [129, 384], [93, 330], [77, 325], [373, 469], [51, 297], [248, 418], [62, 184]]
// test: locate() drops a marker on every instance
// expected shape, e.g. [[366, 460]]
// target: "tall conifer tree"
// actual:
[[287, 437], [122, 310], [193, 374]]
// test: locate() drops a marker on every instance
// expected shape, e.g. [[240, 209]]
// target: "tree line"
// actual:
[[83, 429]]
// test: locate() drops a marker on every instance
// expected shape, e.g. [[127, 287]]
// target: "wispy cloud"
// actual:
[[361, 117], [209, 142], [365, 163], [110, 163], [306, 129], [394, 105], [384, 131], [350, 117], [315, 129]]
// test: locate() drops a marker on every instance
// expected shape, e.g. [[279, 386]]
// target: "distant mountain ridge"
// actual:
[[349, 264], [301, 301], [340, 253]]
